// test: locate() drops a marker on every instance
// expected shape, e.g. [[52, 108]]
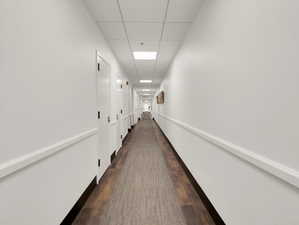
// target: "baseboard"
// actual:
[[112, 156], [211, 209], [261, 162], [125, 138], [70, 217]]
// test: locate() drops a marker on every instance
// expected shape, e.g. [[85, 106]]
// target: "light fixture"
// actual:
[[145, 55], [146, 89], [145, 81]]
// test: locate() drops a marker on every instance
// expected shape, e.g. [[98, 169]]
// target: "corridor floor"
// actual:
[[145, 185]]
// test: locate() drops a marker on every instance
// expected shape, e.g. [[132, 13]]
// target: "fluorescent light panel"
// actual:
[[145, 55], [145, 81]]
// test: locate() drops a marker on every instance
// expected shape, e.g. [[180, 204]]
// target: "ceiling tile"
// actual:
[[113, 30], [166, 54], [169, 46], [175, 31], [162, 66], [120, 45], [161, 74], [129, 69], [145, 74], [145, 63], [104, 10], [155, 84], [145, 67], [122, 52], [183, 10], [146, 46], [144, 31], [161, 70], [143, 10]]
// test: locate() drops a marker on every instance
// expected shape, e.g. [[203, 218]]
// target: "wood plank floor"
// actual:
[[145, 185]]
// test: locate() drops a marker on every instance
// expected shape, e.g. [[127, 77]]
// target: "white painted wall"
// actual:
[[231, 97], [47, 95]]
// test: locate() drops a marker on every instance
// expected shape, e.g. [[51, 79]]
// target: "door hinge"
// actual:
[[99, 162], [99, 115], [121, 136], [108, 119]]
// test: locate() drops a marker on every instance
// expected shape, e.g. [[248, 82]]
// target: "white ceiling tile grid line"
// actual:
[[161, 35], [127, 36], [144, 25]]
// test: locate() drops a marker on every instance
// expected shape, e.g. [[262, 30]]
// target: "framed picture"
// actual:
[[160, 98]]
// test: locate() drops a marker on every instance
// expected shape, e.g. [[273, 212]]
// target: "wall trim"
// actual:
[[126, 116], [20, 163], [113, 122], [274, 168]]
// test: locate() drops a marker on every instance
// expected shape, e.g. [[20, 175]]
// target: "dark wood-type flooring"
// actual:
[[145, 185]]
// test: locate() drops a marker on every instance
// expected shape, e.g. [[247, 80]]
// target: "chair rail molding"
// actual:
[[113, 122], [274, 168], [21, 162]]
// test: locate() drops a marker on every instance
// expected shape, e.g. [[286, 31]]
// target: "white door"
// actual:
[[119, 124], [123, 111], [103, 107]]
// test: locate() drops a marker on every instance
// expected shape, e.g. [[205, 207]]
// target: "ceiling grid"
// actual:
[[144, 25], [127, 36]]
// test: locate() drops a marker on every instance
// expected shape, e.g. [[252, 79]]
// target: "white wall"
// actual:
[[232, 108], [47, 104]]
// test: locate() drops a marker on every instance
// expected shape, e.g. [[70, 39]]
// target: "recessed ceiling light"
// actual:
[[145, 55], [146, 89], [145, 81]]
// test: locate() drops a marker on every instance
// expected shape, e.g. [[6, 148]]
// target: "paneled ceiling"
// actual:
[[144, 25]]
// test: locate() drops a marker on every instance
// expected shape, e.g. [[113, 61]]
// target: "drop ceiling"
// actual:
[[144, 25]]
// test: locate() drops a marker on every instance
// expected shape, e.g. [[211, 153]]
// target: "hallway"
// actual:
[[149, 112], [155, 189]]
